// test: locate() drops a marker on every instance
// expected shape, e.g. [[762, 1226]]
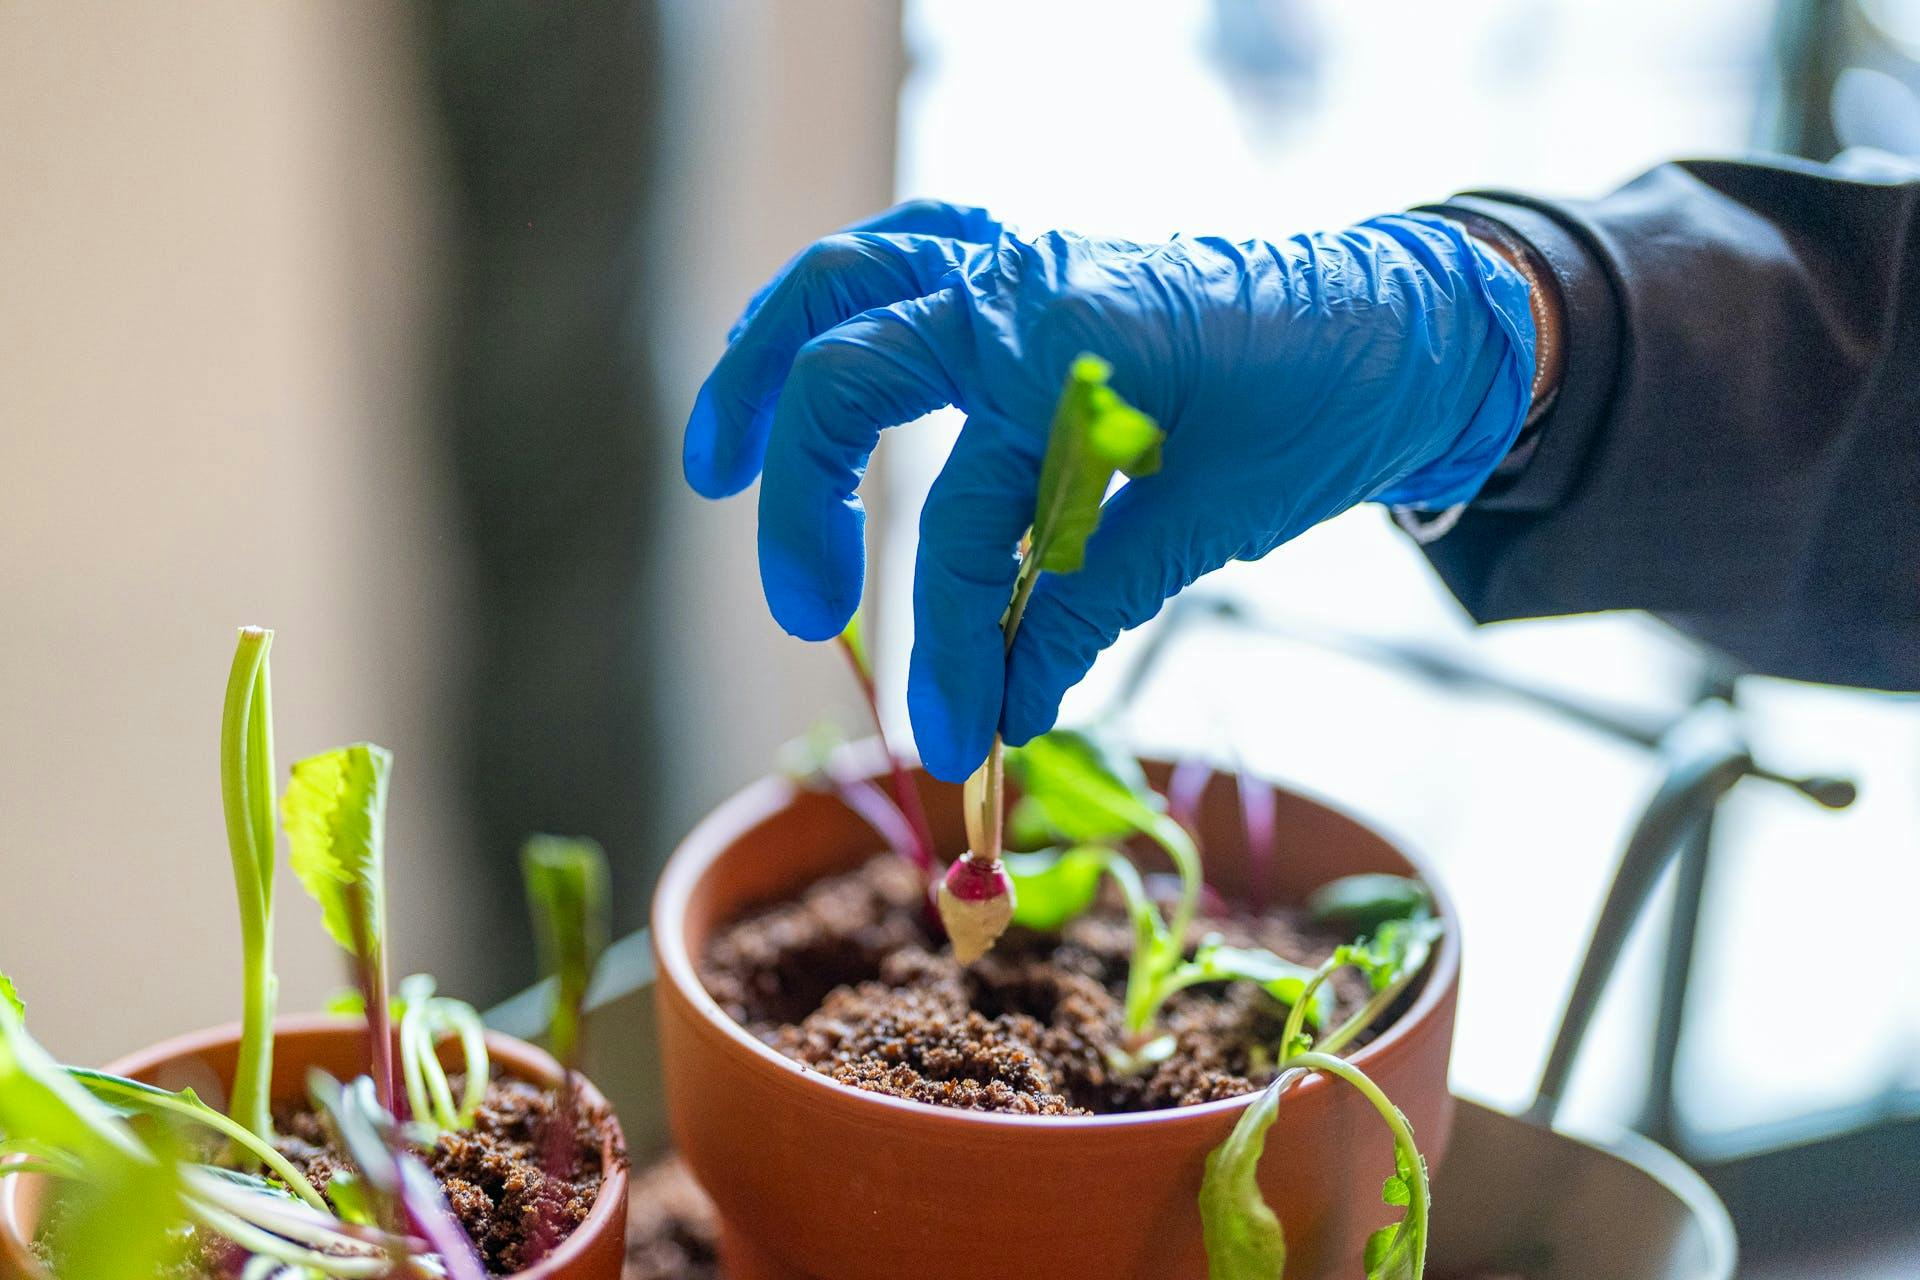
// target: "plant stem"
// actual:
[[1338, 1039], [905, 796], [1415, 1166], [1297, 1015], [246, 788], [988, 782]]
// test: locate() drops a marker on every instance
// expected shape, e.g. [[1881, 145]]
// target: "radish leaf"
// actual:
[[567, 891], [335, 809], [1243, 1237], [1362, 903], [1094, 434]]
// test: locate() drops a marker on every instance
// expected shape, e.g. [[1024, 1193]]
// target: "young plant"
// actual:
[[247, 796], [1094, 799], [425, 1020], [1094, 435], [918, 847], [336, 818], [567, 892], [1244, 1239], [129, 1199]]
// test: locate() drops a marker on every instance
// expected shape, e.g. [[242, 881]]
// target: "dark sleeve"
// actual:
[[1736, 442]]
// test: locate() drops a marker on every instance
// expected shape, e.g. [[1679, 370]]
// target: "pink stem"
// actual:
[[1257, 813], [919, 845], [380, 1037], [1184, 790]]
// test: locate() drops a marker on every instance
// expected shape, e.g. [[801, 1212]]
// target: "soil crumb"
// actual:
[[848, 980], [672, 1230]]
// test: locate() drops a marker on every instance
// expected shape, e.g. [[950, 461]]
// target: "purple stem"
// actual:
[[1184, 790], [1257, 813], [432, 1220], [556, 1140], [918, 848], [866, 799]]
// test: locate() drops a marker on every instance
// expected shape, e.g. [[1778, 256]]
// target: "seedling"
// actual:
[[247, 796], [567, 892], [132, 1193], [1095, 434], [336, 817], [426, 1018], [1244, 1238], [1093, 800], [129, 1197]]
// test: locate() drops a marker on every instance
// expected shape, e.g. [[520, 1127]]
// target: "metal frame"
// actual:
[[1812, 1174]]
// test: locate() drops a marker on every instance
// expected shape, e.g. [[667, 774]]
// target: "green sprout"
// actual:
[[567, 892], [335, 811], [1244, 1238], [425, 1020], [129, 1199], [247, 795], [1094, 436]]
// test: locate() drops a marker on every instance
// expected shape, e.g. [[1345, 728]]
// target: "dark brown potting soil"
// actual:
[[492, 1174], [848, 980], [673, 1232]]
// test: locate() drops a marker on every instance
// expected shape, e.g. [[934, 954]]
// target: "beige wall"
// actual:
[[781, 128], [213, 241], [216, 266]]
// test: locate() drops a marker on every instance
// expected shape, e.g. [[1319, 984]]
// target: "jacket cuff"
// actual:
[[1562, 438]]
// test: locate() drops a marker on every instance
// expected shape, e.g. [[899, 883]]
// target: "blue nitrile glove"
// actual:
[[1294, 379]]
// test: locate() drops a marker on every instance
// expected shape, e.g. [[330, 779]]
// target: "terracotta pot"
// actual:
[[820, 1181], [339, 1045]]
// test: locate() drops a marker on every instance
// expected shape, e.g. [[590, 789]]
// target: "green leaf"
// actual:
[[348, 1192], [124, 1218], [808, 759], [1094, 434], [10, 996], [567, 891], [1399, 1251], [1052, 888], [120, 1213], [1086, 793], [336, 815], [1397, 949], [1361, 904], [1281, 978], [1243, 1237], [132, 1097], [39, 1100]]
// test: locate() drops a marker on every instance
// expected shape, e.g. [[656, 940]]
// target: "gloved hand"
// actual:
[[1294, 379]]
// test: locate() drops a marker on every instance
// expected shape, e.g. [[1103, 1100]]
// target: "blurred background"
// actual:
[[377, 324]]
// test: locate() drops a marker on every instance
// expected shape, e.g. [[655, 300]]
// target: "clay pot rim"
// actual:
[[763, 800], [528, 1061]]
